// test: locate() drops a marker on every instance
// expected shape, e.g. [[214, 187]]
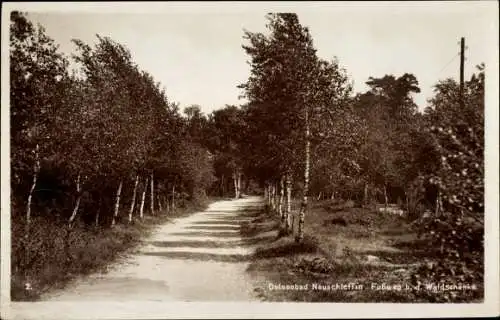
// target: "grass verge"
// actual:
[[348, 255]]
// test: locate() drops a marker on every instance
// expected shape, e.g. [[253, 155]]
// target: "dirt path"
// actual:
[[201, 257]]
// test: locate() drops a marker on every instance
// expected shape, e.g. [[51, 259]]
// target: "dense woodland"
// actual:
[[102, 146]]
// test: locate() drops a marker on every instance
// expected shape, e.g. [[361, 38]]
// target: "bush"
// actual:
[[461, 259], [54, 253]]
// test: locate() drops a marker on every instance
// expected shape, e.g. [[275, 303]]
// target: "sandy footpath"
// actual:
[[201, 257]]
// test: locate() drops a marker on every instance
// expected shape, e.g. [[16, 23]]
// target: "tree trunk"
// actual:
[[332, 197], [441, 207], [152, 194], [385, 197], [273, 197], [77, 205], [132, 205], [160, 206], [236, 186], [223, 193], [239, 185], [117, 204], [303, 206], [36, 170], [98, 212], [319, 196], [143, 199], [288, 209], [407, 203], [438, 204], [167, 201], [281, 210], [277, 198], [173, 197], [268, 195], [265, 193]]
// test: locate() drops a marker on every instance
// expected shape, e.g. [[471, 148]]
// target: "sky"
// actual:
[[195, 50]]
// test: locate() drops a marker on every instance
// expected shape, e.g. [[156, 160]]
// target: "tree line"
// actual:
[[95, 143], [106, 128], [307, 130]]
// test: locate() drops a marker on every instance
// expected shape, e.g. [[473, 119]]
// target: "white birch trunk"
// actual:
[[438, 204], [386, 201], [132, 205], [77, 205], [266, 194], [407, 203], [173, 197], [97, 213], [281, 211], [277, 197], [222, 188], [167, 203], [272, 197], [152, 195], [303, 207], [235, 182], [117, 203], [239, 185], [36, 170], [143, 199], [288, 209]]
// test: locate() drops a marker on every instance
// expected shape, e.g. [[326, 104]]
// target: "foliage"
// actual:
[[104, 123], [287, 79], [457, 129], [372, 146]]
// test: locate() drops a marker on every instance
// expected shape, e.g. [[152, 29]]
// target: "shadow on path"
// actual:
[[221, 234], [197, 256], [218, 235], [231, 222], [218, 228]]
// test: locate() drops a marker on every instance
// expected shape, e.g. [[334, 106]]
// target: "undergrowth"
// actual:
[[54, 254], [352, 245]]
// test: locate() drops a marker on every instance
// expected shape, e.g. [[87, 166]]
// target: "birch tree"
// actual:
[[37, 73], [290, 89]]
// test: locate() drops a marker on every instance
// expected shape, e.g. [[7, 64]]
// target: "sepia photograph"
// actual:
[[239, 159]]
